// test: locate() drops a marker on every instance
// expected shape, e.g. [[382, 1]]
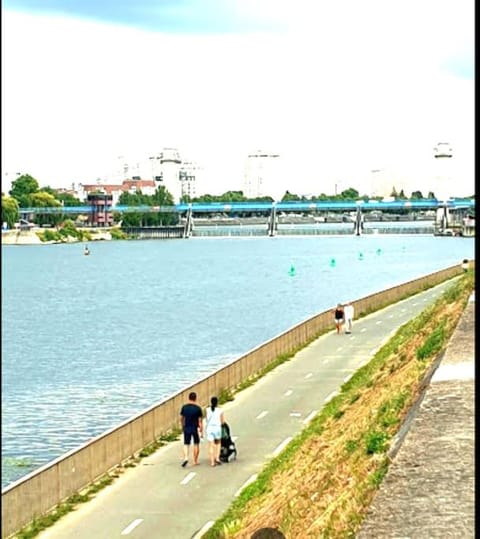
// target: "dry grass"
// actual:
[[324, 487]]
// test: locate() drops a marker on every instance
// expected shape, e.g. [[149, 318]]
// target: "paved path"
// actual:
[[160, 499], [428, 491]]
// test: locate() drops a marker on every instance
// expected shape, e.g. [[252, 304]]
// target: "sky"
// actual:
[[338, 89]]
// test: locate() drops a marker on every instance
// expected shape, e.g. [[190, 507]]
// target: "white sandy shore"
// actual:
[[29, 237]]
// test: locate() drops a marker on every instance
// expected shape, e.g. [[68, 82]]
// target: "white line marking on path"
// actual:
[[262, 414], [373, 351], [404, 310], [250, 480], [347, 378], [295, 414], [414, 304], [132, 526], [188, 478], [390, 316], [282, 446], [309, 375], [288, 393], [325, 361], [310, 416], [363, 329], [339, 349], [234, 438], [204, 529], [378, 322], [330, 397], [352, 337]]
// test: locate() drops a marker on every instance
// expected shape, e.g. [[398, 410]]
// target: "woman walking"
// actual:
[[339, 316], [213, 430]]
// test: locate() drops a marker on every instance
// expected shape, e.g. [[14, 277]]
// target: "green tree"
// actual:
[[133, 199], [416, 195], [350, 194], [163, 197], [9, 210], [289, 197], [49, 189], [205, 198], [67, 199], [233, 196], [22, 188], [42, 199]]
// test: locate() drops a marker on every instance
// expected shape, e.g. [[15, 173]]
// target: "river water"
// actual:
[[88, 341]]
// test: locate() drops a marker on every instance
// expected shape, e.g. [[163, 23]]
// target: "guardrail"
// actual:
[[40, 491]]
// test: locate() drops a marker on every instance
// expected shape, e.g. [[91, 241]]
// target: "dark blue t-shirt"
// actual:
[[191, 413]]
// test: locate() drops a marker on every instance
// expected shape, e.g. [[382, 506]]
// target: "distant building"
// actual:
[[101, 214], [263, 176], [166, 171], [189, 174], [147, 187], [444, 174]]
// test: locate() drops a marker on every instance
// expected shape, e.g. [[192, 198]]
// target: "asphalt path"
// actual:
[[160, 499]]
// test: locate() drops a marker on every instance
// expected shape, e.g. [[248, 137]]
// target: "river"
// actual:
[[88, 341]]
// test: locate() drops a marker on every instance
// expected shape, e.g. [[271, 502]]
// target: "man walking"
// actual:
[[191, 417], [349, 313]]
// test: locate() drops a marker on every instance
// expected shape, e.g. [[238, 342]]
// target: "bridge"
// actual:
[[287, 206], [271, 210]]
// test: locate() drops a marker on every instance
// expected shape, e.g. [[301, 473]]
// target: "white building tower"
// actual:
[[443, 176], [263, 176], [443, 182], [166, 171]]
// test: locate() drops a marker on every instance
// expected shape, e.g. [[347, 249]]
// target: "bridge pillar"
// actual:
[[272, 221], [358, 225], [187, 231], [443, 220]]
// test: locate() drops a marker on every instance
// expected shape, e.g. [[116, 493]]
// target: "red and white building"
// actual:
[[147, 187]]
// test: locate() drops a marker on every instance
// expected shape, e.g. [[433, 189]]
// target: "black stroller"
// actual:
[[227, 448]]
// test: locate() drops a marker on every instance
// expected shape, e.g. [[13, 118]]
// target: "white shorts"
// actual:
[[214, 433]]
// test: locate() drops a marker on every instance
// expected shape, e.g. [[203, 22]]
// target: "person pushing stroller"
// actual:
[[213, 430]]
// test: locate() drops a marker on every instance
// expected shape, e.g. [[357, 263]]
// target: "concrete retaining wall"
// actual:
[[37, 493]]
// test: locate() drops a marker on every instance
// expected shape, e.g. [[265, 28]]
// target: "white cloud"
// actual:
[[346, 88]]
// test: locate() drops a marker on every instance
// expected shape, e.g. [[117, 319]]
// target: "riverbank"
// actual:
[[30, 237]]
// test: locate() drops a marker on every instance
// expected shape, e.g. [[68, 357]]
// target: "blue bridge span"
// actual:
[[243, 207]]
